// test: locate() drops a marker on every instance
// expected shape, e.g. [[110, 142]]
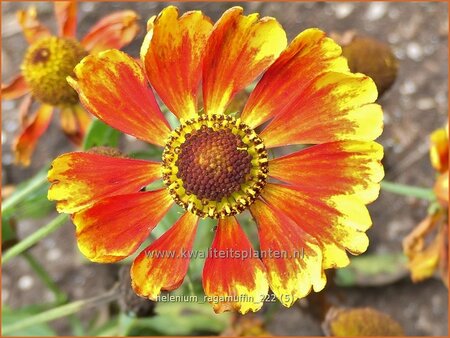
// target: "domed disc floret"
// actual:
[[214, 166], [46, 65]]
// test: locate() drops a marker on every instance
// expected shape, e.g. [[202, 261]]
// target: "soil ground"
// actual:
[[415, 106]]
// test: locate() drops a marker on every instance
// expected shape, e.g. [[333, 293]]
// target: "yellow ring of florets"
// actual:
[[46, 65], [233, 203]]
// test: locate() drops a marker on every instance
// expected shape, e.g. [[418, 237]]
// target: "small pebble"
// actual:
[[87, 7], [376, 11], [386, 117], [393, 38], [7, 159], [8, 105], [25, 282], [425, 103], [53, 254], [343, 10], [408, 87], [414, 51], [10, 126]]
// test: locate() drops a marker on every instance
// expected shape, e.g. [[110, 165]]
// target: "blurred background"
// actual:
[[414, 106]]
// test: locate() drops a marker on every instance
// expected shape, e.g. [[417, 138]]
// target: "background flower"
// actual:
[[47, 62], [425, 255]]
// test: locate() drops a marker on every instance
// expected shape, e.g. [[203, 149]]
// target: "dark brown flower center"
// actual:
[[40, 55], [213, 164]]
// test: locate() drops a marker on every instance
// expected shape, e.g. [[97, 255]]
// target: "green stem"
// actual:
[[60, 296], [61, 311], [124, 324], [77, 326], [190, 285], [407, 190], [34, 238], [18, 196], [270, 313]]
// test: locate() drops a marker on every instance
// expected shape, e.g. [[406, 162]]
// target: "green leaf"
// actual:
[[372, 270], [174, 319], [168, 220], [13, 316], [171, 118], [205, 234], [26, 190], [36, 205], [9, 234], [408, 190], [30, 198], [8, 230], [107, 329], [100, 134], [151, 153]]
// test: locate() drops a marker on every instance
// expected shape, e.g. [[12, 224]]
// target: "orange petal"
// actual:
[[172, 53], [333, 107], [441, 188], [423, 264], [66, 16], [423, 255], [415, 241], [292, 258], [112, 86], [439, 149], [232, 277], [337, 222], [115, 30], [82, 179], [238, 50], [345, 167], [25, 143], [75, 122], [164, 264], [114, 227], [24, 110], [33, 30], [443, 257], [16, 88], [309, 55]]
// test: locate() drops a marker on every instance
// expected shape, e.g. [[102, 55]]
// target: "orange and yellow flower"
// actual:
[[425, 257], [217, 165], [48, 61]]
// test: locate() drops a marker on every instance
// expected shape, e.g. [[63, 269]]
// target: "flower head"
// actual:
[[46, 64], [426, 256], [214, 166], [309, 205]]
